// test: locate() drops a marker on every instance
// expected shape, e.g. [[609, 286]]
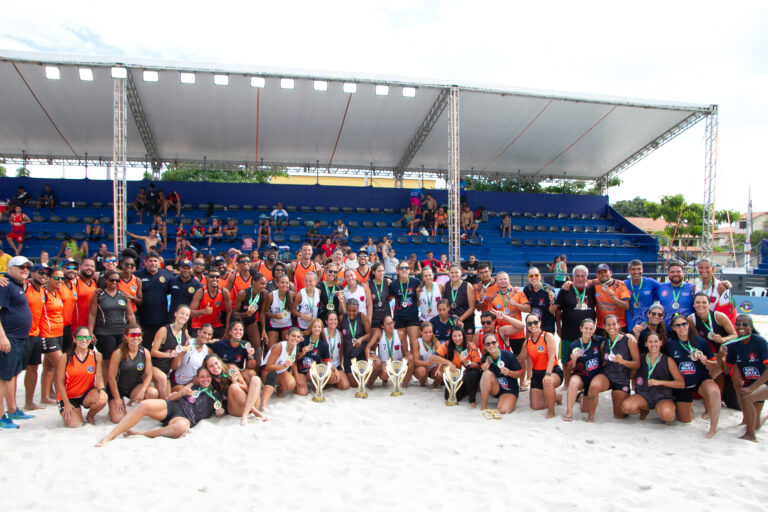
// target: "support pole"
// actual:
[[710, 176], [119, 141], [454, 179]]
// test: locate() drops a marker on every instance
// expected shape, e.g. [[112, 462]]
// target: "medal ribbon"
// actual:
[[331, 344], [737, 339], [379, 289], [651, 367], [676, 298], [390, 343], [708, 322], [254, 301], [581, 299], [635, 295], [208, 392], [613, 343], [352, 330]]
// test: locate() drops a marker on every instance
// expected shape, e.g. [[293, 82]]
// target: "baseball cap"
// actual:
[[38, 268], [603, 266], [185, 263], [69, 261], [18, 261]]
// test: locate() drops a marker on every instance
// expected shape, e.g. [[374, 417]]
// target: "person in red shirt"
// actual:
[[208, 304], [86, 286], [18, 222], [611, 298]]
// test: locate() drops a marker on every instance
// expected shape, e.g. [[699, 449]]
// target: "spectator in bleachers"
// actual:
[[328, 247], [46, 198], [441, 222], [45, 258], [373, 258], [230, 230], [414, 265], [415, 201], [22, 198], [430, 262], [313, 236], [350, 261], [134, 249], [468, 222], [470, 268], [388, 257], [158, 223], [443, 265], [370, 246], [181, 232], [506, 226], [71, 250], [410, 220], [18, 221], [99, 257], [151, 241], [184, 250], [561, 271], [140, 204], [196, 230], [173, 200], [264, 234], [428, 210], [95, 231], [340, 231], [214, 231], [481, 215], [279, 218]]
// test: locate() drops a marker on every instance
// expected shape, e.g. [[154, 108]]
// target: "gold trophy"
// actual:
[[397, 370], [453, 379], [361, 370], [320, 374]]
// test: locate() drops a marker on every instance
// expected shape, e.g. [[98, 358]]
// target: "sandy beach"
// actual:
[[388, 452]]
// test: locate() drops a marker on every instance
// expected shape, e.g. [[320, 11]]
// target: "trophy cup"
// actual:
[[361, 370], [452, 377], [319, 374], [397, 370]]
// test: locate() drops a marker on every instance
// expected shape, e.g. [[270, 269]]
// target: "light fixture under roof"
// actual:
[[382, 90], [52, 73], [350, 88], [187, 78], [321, 85], [150, 76], [409, 92], [221, 79], [258, 81], [86, 74], [286, 83], [119, 73]]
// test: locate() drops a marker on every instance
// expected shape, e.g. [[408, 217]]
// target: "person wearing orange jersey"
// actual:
[[456, 353], [80, 382], [485, 288], [241, 279], [541, 351], [209, 303], [51, 330], [34, 289], [363, 271], [129, 284], [611, 298], [68, 294], [512, 302], [489, 321], [86, 286], [266, 267], [302, 265]]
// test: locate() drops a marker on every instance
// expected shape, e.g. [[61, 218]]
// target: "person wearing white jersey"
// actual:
[[333, 337], [360, 293], [192, 359], [391, 347], [305, 302], [425, 361], [279, 366], [279, 311], [719, 292], [430, 294]]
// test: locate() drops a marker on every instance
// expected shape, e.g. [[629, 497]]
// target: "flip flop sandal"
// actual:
[[488, 414], [567, 418], [496, 414]]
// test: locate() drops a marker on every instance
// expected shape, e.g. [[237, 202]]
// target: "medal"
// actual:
[[636, 305], [217, 405], [711, 335], [379, 304], [285, 314], [506, 311], [195, 394], [429, 309], [453, 305], [191, 347], [584, 306], [500, 364], [330, 307], [611, 357], [292, 359], [675, 305]]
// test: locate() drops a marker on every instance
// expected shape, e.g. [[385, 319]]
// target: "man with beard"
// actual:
[[32, 357], [270, 258], [239, 280], [182, 288], [301, 266], [644, 292], [208, 304], [611, 298], [485, 289], [198, 270], [85, 285], [363, 270], [675, 295], [470, 267], [154, 287], [68, 293]]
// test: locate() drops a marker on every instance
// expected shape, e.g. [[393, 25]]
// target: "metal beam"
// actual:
[[454, 180], [433, 114], [710, 175], [143, 125], [119, 141]]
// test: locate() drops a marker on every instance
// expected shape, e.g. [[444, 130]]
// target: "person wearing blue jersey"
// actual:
[[698, 365], [675, 295], [747, 358], [643, 293]]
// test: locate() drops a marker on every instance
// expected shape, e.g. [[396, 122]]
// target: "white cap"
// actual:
[[18, 261]]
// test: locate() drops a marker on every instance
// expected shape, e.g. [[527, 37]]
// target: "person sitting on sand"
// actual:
[[501, 371], [183, 410], [79, 381], [240, 396], [424, 359]]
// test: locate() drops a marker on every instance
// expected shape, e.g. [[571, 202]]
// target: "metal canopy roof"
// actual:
[[502, 132]]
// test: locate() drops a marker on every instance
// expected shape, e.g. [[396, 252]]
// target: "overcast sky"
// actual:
[[696, 52]]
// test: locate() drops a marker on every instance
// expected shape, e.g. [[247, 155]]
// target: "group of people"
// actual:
[[218, 340]]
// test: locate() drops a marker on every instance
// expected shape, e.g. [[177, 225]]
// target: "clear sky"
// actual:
[[697, 52]]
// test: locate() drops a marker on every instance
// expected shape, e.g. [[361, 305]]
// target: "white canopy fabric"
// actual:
[[502, 132]]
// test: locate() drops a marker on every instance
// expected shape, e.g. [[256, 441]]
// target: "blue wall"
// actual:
[[309, 195]]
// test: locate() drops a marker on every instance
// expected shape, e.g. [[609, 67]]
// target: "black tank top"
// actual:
[[616, 373], [110, 313], [457, 299], [702, 330], [660, 372], [257, 305], [380, 299], [350, 350], [130, 373], [169, 344]]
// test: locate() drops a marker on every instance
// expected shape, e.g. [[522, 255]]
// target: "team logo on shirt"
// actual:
[[592, 364], [397, 347], [238, 358], [162, 279], [687, 368], [540, 348], [750, 372], [503, 383], [217, 303], [362, 298], [752, 357], [121, 302], [639, 381], [191, 289], [664, 293], [140, 366], [90, 369]]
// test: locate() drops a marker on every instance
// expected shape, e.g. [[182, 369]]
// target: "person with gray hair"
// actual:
[[574, 305]]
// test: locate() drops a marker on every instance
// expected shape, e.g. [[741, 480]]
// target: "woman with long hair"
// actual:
[[110, 311], [501, 371], [457, 353], [170, 344], [424, 359], [251, 308], [654, 324], [332, 336], [541, 351], [279, 366]]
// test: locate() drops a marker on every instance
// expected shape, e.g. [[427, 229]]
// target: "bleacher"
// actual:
[[543, 226]]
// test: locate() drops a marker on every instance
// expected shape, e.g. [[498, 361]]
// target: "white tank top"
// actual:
[[277, 308], [711, 291], [334, 345], [424, 354], [190, 363], [359, 296], [427, 307], [384, 347], [283, 357], [307, 306]]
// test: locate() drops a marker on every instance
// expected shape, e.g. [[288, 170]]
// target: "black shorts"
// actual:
[[107, 343], [537, 378], [10, 362], [683, 395], [586, 380], [174, 411], [516, 346], [617, 386], [52, 344], [401, 323], [503, 391], [33, 351], [76, 402], [378, 319]]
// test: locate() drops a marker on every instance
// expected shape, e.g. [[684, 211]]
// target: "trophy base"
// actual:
[[318, 399], [449, 403], [396, 393], [361, 394]]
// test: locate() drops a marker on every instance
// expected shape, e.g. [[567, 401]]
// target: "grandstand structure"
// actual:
[[73, 109]]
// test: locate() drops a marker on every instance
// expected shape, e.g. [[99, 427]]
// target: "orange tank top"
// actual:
[[69, 298], [35, 299], [129, 288], [79, 376], [217, 303], [83, 303], [362, 278], [537, 352], [52, 320], [238, 284], [265, 271], [299, 272]]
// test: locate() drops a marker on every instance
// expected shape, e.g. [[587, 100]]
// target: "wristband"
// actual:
[[548, 373]]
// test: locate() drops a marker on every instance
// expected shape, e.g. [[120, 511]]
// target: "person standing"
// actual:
[[15, 323], [643, 293], [153, 310], [575, 304], [719, 292], [675, 295], [34, 289], [182, 288], [611, 298]]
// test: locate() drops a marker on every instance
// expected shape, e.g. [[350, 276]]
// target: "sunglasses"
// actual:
[[71, 267], [134, 335], [680, 325], [113, 280], [403, 268], [57, 278], [332, 271], [110, 260], [245, 261], [655, 313], [213, 277], [486, 322], [534, 322], [491, 343], [199, 264], [534, 275], [742, 324], [129, 265], [83, 338]]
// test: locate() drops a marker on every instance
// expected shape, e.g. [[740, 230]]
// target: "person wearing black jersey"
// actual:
[[404, 291], [461, 299], [183, 410], [169, 346], [654, 323], [110, 311], [355, 333], [332, 293], [250, 307], [378, 286], [444, 322], [574, 305], [714, 327], [584, 364]]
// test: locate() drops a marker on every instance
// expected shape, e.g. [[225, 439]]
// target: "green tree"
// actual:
[[684, 220], [243, 175], [3, 173], [637, 207], [22, 172], [520, 184]]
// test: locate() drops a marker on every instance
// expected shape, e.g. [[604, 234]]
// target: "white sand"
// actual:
[[385, 453]]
